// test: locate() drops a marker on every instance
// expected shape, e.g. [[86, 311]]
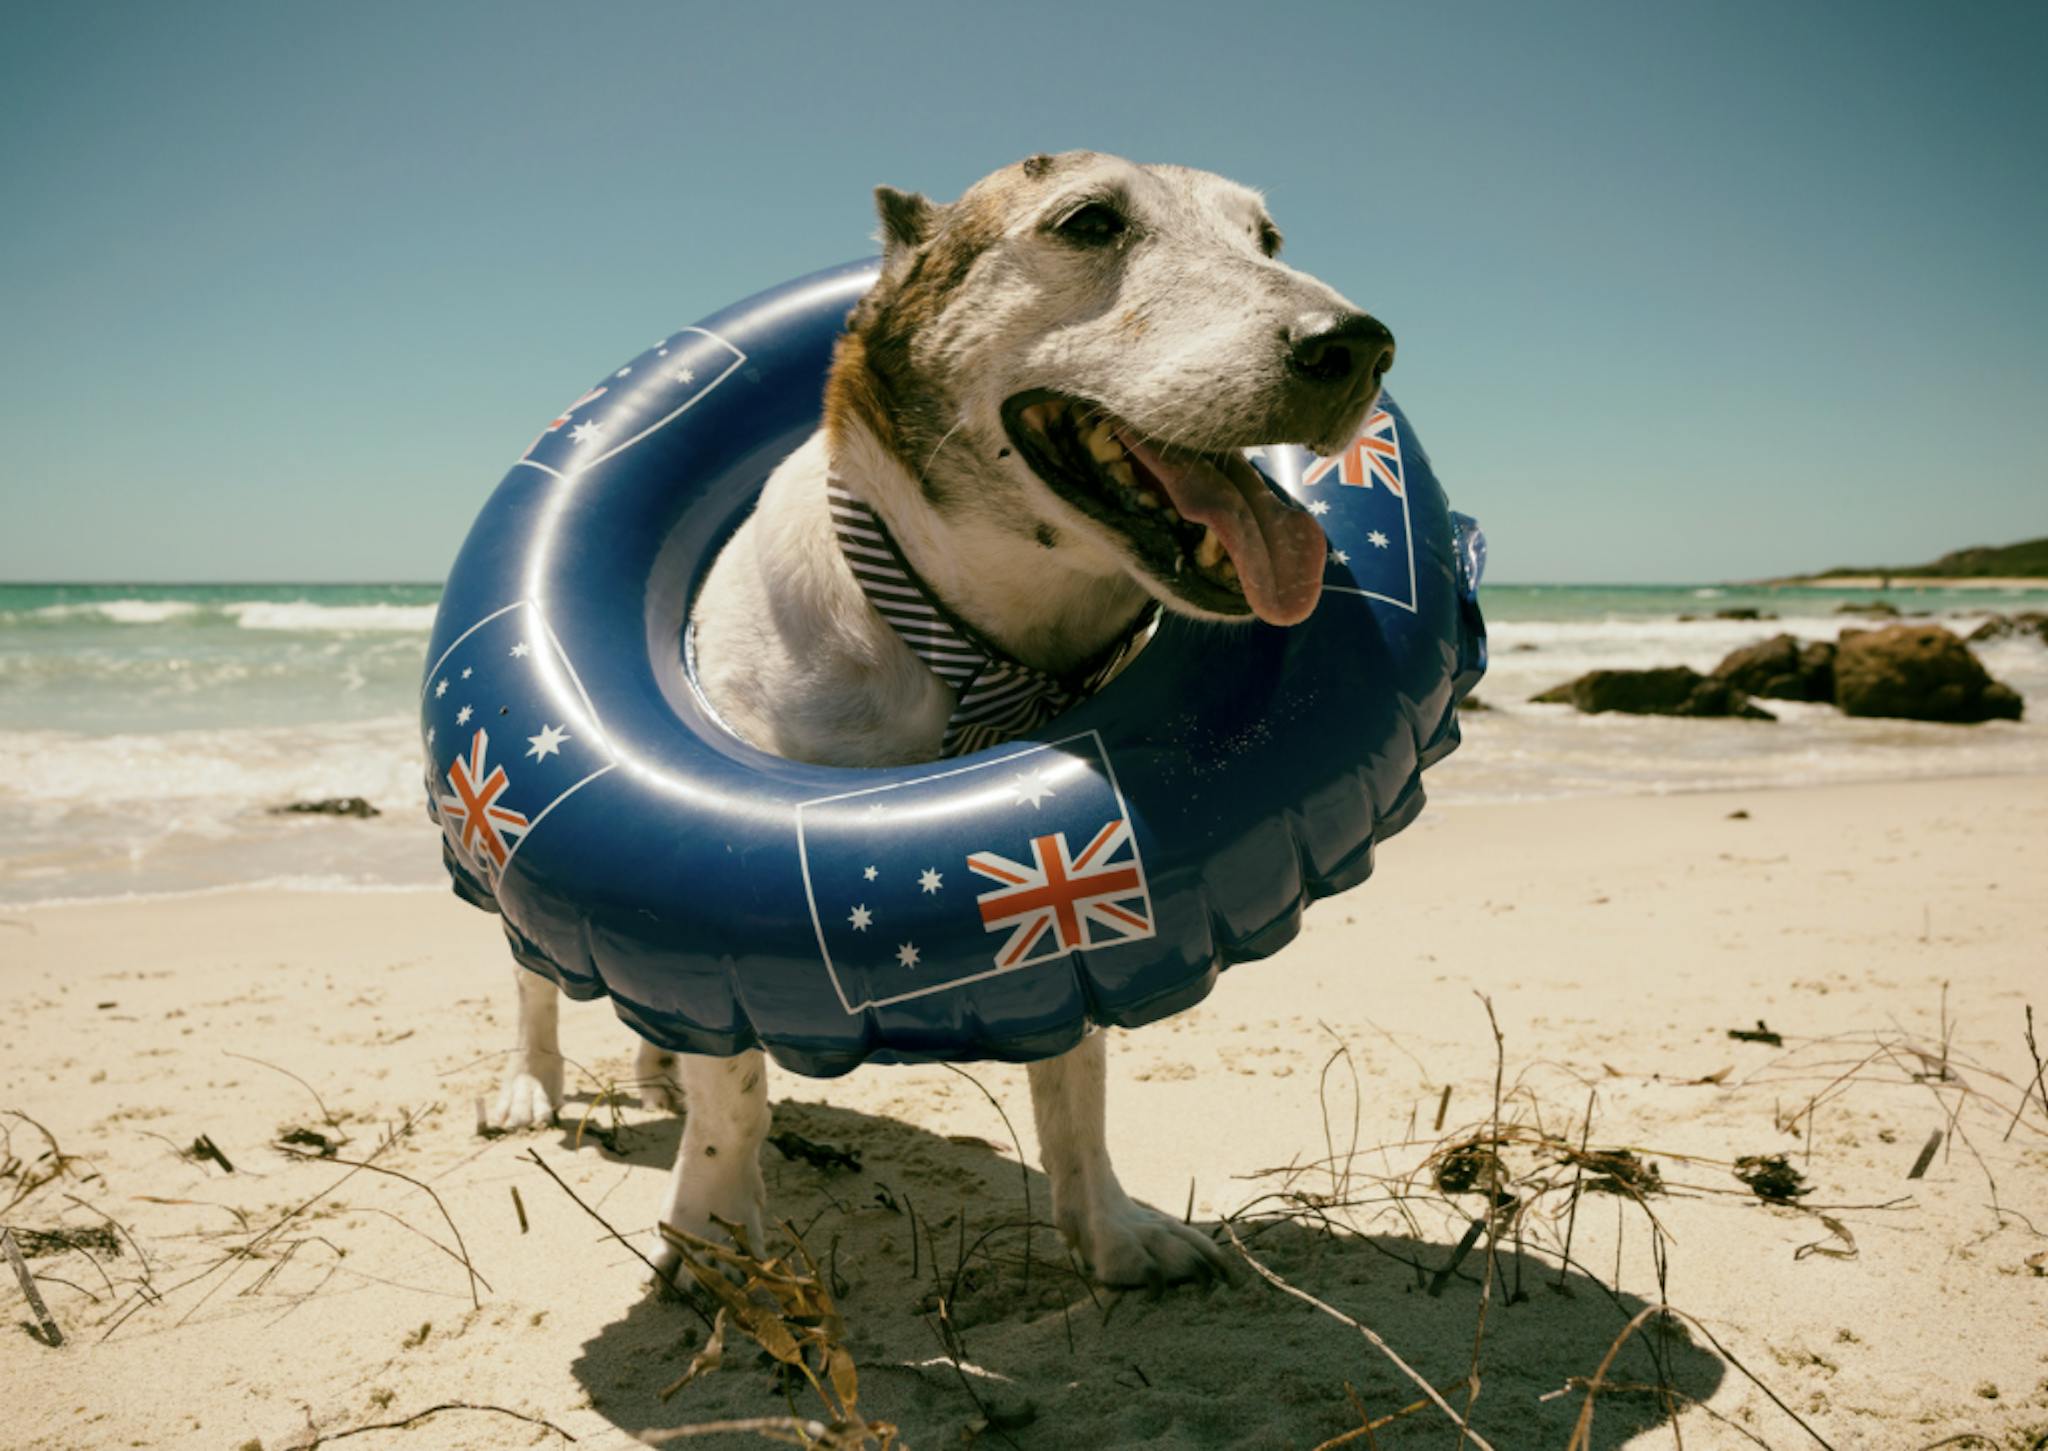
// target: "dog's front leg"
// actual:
[[1123, 1242], [533, 1084], [718, 1165]]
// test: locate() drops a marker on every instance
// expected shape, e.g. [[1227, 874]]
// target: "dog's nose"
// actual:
[[1329, 347]]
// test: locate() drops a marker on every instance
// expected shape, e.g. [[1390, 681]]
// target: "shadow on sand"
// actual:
[[1065, 1364]]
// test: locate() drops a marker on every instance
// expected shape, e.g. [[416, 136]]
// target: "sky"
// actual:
[[1683, 292]]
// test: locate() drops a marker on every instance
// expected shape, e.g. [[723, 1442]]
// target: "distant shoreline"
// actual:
[[1901, 582]]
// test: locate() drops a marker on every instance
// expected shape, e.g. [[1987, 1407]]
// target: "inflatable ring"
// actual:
[[990, 906]]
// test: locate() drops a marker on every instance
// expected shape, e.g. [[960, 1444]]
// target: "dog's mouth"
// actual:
[[1207, 526]]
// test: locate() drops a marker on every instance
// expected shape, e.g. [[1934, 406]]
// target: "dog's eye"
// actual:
[[1095, 225], [1269, 239]]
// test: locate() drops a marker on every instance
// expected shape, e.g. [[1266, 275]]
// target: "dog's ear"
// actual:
[[907, 219]]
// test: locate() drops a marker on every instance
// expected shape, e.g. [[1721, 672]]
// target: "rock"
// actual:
[[1781, 668], [1869, 607], [1473, 702], [331, 806], [1673, 690], [1744, 612], [1917, 672], [2004, 627]]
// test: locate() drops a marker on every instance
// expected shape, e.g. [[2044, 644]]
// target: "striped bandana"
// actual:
[[998, 698]]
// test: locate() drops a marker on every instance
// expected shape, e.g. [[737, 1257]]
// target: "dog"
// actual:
[[1045, 402]]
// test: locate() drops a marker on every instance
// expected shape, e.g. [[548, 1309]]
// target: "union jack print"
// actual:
[[567, 413], [471, 816], [1372, 457], [1063, 901]]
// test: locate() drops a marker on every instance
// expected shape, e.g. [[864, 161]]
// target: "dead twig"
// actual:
[[322, 1438], [1582, 1430], [326, 1115], [2040, 1078], [1494, 1211], [461, 1251], [1372, 1337], [1023, 1168], [1926, 1155], [666, 1277], [51, 1336]]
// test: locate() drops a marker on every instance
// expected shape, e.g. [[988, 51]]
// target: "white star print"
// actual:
[[1338, 556], [467, 671], [462, 716], [860, 916], [430, 735], [908, 954], [685, 375], [622, 372], [1376, 539], [930, 881], [520, 651], [1031, 789], [548, 742], [869, 874], [585, 431], [1318, 506], [440, 689]]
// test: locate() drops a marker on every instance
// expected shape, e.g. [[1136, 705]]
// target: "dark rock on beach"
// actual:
[[1868, 607], [1781, 668], [2005, 627], [331, 806], [1673, 690], [1917, 672], [1735, 612]]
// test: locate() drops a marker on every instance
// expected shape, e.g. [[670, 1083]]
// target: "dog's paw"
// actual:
[[1129, 1246], [526, 1101], [705, 1197], [659, 1079]]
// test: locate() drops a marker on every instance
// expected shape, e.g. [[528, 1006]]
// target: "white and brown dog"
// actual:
[[1045, 399]]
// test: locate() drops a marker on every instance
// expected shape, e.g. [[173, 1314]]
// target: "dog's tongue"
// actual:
[[1278, 549]]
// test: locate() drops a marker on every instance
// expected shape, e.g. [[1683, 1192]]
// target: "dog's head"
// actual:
[[1080, 347]]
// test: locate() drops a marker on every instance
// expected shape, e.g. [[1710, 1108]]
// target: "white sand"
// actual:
[[1619, 940]]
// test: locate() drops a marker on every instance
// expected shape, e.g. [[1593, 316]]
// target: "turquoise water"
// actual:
[[146, 730]]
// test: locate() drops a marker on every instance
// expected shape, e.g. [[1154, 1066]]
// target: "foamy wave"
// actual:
[[120, 612], [308, 618], [211, 775]]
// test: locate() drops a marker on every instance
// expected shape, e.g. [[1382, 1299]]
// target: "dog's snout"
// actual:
[[1340, 348]]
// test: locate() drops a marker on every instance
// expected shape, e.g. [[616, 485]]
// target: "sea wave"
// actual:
[[307, 617], [301, 616], [119, 612]]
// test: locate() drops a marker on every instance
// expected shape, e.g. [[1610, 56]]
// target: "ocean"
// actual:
[[147, 731]]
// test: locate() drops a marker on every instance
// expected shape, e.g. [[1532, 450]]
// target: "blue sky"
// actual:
[[1682, 292]]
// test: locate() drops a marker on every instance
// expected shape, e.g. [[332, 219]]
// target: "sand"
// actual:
[[1892, 934]]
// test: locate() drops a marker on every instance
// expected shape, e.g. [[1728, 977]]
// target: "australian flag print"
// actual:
[[913, 892], [652, 390], [509, 736], [1360, 497]]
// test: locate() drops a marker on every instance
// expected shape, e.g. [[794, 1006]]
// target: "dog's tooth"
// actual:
[[1102, 444], [1120, 471], [1210, 550], [1034, 417], [1227, 571], [1149, 499]]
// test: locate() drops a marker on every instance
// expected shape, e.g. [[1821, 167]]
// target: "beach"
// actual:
[[1889, 932], [148, 734]]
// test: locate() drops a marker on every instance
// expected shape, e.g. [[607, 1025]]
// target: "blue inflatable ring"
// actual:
[[990, 906]]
